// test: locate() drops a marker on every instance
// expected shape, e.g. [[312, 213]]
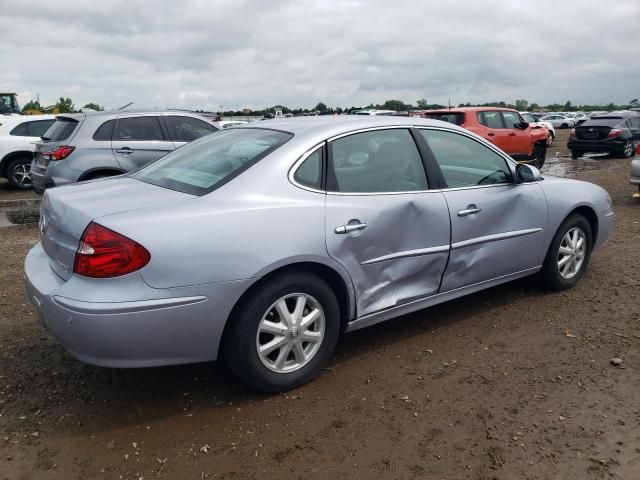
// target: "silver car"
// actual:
[[85, 146], [265, 243], [635, 170]]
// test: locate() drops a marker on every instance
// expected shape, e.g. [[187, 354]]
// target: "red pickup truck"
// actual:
[[504, 127]]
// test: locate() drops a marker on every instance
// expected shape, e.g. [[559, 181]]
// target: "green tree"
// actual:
[[32, 105], [94, 106], [521, 104], [65, 105], [395, 105], [534, 107], [422, 103], [321, 107], [634, 102]]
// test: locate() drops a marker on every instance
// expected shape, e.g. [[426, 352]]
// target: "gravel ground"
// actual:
[[511, 383]]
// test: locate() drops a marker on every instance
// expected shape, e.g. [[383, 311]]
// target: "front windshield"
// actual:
[[207, 163]]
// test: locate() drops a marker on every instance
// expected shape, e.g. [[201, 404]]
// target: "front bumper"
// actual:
[[162, 327]]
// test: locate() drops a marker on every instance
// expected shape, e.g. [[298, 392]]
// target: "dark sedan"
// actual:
[[615, 134]]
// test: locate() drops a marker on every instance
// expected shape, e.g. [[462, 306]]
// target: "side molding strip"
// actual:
[[494, 238]]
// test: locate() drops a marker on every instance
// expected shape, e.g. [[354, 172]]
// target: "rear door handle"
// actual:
[[470, 210], [125, 151], [353, 227], [512, 134], [491, 134]]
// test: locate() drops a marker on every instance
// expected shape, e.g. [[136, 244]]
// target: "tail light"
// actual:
[[572, 133], [615, 132], [104, 253], [59, 153]]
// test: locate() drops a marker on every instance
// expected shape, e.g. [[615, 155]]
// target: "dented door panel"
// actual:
[[402, 252], [505, 236]]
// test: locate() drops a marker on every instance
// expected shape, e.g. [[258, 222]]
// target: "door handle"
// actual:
[[125, 151], [353, 227], [512, 134], [491, 134], [470, 210]]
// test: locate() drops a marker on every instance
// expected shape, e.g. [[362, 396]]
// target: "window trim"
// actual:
[[161, 124], [300, 161]]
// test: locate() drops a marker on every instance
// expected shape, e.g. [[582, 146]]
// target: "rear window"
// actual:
[[208, 163], [104, 131], [601, 122], [457, 118], [61, 130]]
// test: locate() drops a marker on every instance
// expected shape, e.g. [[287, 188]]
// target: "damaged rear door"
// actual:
[[382, 222], [496, 225]]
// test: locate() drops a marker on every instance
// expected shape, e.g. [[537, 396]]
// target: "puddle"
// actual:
[[567, 167], [23, 216]]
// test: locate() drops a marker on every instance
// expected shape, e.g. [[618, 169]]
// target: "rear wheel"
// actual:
[[576, 154], [284, 332], [538, 155], [568, 254], [564, 125], [627, 149], [19, 173]]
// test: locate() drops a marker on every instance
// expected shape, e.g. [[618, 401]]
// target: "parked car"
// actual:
[[578, 117], [264, 244], [558, 121], [228, 123], [374, 112], [615, 134], [635, 171], [503, 127], [535, 123], [85, 146], [18, 135]]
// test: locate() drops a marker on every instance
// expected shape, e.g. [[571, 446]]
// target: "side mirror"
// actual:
[[527, 173], [521, 125]]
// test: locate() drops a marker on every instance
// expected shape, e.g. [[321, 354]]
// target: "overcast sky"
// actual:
[[257, 53]]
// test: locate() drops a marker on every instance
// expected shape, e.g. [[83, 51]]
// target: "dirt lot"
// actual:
[[511, 383]]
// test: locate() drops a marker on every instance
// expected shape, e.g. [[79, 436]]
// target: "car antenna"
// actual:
[[125, 106]]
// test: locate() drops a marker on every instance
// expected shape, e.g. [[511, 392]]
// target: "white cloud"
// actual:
[[198, 53]]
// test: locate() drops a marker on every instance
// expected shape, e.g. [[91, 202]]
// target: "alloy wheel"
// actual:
[[571, 253], [290, 333], [22, 174], [628, 148]]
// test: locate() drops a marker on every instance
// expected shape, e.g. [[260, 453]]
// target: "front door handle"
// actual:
[[491, 134], [470, 210], [512, 134], [125, 151], [352, 227]]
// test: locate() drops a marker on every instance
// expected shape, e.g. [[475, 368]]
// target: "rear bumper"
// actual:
[[165, 330], [597, 146], [55, 175]]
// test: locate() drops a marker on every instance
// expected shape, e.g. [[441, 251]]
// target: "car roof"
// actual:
[[328, 125], [471, 109], [114, 113]]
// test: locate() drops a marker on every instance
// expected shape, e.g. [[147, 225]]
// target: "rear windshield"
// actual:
[[602, 122], [209, 162], [456, 118], [61, 130]]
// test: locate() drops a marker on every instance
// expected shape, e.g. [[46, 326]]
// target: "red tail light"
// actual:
[[104, 253], [615, 132], [572, 133], [59, 153]]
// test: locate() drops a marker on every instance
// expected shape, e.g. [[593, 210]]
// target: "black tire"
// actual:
[[538, 155], [550, 275], [576, 154], [564, 125], [19, 173], [240, 345]]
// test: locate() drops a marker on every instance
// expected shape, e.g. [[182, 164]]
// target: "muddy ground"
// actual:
[[511, 383]]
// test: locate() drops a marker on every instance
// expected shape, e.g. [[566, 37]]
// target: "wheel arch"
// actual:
[[592, 217], [100, 170], [339, 282], [4, 163]]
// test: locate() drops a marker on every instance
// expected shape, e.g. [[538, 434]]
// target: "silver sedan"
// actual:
[[264, 243]]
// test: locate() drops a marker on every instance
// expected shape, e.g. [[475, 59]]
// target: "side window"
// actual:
[[465, 162], [186, 129], [376, 161], [138, 129], [37, 128], [21, 130], [104, 131], [510, 119], [490, 119], [309, 173], [529, 118]]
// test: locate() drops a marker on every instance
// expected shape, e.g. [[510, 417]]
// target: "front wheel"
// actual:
[[19, 173], [284, 333], [538, 156], [627, 150], [564, 125], [568, 254]]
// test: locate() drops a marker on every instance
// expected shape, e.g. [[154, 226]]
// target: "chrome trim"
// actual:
[[354, 227], [469, 211], [369, 129], [408, 253], [494, 238]]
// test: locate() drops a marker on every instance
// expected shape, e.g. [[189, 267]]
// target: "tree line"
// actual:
[[63, 105]]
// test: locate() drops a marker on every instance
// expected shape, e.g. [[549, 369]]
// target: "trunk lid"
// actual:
[[66, 212], [592, 132]]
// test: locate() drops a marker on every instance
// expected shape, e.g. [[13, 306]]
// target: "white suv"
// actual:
[[18, 135]]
